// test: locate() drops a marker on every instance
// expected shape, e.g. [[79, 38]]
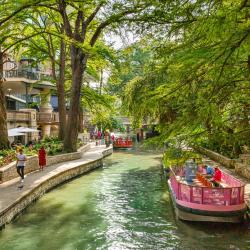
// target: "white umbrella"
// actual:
[[23, 130], [27, 130], [14, 133]]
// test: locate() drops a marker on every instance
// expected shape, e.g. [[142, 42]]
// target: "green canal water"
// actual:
[[124, 205]]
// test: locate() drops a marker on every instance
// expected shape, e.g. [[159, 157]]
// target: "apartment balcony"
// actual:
[[18, 116], [9, 74], [40, 117], [47, 118]]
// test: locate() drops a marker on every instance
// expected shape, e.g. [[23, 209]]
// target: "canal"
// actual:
[[124, 205]]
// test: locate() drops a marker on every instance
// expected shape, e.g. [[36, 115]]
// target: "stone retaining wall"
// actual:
[[227, 162], [19, 205], [241, 165], [9, 171]]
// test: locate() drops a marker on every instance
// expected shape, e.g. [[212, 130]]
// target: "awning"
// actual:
[[20, 131], [26, 130], [14, 133]]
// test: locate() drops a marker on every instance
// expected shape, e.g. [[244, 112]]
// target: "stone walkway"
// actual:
[[10, 191]]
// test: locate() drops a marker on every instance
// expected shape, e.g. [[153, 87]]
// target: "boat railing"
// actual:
[[121, 141], [232, 195]]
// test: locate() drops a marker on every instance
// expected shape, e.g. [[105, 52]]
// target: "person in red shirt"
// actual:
[[42, 158], [217, 174], [216, 177]]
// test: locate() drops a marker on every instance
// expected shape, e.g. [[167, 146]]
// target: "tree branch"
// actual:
[[18, 11], [62, 10]]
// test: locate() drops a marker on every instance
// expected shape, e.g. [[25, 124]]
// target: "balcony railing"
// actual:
[[26, 74], [43, 117], [18, 116]]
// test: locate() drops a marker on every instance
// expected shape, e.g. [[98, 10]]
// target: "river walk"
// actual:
[[11, 194]]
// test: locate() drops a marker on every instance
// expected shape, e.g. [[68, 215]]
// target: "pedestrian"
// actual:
[[20, 164], [99, 136], [107, 138], [112, 136], [42, 158]]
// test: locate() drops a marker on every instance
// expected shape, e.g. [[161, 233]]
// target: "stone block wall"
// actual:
[[9, 172], [242, 166], [227, 162]]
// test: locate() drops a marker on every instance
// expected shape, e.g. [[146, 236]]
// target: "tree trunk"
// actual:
[[61, 92], [78, 65], [4, 142], [80, 121]]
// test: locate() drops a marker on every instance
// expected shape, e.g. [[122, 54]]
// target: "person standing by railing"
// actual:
[[20, 164]]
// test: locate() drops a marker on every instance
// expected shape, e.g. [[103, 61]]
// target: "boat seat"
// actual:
[[222, 184]]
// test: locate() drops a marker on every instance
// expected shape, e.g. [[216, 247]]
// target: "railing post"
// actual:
[[202, 194], [191, 194], [230, 200], [178, 196], [239, 195]]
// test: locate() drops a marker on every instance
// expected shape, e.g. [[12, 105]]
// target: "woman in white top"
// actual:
[[20, 163]]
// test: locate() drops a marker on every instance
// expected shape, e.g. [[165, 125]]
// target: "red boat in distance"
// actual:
[[122, 143]]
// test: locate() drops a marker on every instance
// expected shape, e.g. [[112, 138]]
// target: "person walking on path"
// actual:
[[42, 158], [20, 164], [99, 137]]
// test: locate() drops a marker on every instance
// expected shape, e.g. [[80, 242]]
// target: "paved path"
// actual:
[[9, 191]]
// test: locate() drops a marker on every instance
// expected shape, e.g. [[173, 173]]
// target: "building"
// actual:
[[28, 99]]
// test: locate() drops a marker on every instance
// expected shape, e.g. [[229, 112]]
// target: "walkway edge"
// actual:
[[37, 191]]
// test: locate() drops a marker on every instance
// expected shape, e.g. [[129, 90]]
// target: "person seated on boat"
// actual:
[[209, 170], [216, 177]]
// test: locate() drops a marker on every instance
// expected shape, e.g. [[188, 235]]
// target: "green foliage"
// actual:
[[198, 89], [52, 145], [7, 156], [175, 156]]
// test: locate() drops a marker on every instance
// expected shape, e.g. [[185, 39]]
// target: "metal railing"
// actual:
[[26, 74]]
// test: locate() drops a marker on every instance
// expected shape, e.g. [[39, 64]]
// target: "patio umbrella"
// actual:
[[26, 130], [14, 133]]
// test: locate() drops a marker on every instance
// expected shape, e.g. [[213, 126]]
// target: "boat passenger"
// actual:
[[209, 170], [217, 174], [216, 177]]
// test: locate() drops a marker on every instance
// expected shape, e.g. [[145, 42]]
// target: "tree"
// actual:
[[83, 24], [199, 87], [51, 46], [10, 15]]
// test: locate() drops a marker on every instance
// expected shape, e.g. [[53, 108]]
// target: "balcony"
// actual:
[[26, 74], [18, 116], [47, 118]]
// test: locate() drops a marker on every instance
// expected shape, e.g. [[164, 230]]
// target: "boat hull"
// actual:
[[189, 213]]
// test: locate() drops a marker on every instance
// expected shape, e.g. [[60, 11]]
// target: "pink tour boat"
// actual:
[[196, 199]]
